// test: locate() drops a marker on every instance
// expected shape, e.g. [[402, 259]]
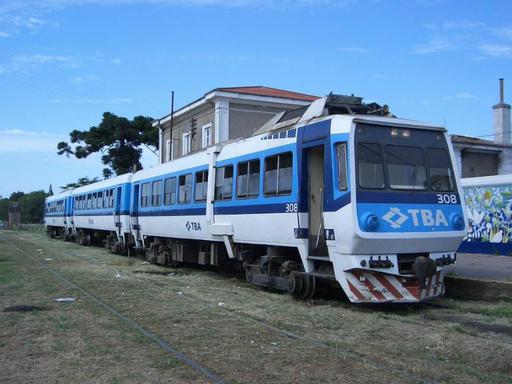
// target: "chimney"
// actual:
[[501, 112]]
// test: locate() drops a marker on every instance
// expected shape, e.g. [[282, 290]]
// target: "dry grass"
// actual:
[[241, 333]]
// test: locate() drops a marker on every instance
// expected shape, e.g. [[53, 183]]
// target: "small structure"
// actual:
[[477, 157], [14, 215]]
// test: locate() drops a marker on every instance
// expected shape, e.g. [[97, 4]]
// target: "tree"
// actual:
[[4, 209], [15, 196], [80, 183], [32, 206], [117, 138]]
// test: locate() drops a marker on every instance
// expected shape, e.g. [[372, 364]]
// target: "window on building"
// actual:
[[144, 194], [224, 183], [278, 175], [341, 155], [185, 188], [201, 185], [170, 191], [186, 143], [156, 197], [248, 179], [207, 135]]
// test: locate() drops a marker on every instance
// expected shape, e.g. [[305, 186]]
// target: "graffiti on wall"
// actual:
[[489, 214]]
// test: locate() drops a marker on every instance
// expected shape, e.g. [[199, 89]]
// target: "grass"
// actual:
[[295, 341]]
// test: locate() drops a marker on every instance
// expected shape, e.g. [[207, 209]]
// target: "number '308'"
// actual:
[[446, 199]]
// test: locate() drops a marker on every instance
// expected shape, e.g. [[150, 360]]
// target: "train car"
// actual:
[[489, 208], [340, 191], [57, 214], [101, 212]]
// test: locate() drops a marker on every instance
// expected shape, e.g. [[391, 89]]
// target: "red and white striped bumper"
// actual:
[[377, 287]]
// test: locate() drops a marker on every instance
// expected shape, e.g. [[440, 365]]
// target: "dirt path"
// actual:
[[236, 332]]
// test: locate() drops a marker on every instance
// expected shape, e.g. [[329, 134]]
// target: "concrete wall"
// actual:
[[244, 119], [475, 164]]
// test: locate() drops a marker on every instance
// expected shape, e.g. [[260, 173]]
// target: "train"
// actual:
[[338, 192]]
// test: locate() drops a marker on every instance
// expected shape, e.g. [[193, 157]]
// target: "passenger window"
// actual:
[[185, 188], [248, 179], [201, 186], [100, 199], [144, 196], [89, 198], [94, 200], [224, 183], [111, 199], [156, 198], [170, 191], [341, 155], [370, 166], [278, 175]]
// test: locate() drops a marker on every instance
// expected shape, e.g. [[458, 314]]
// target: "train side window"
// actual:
[[201, 186], [185, 188], [278, 175], [224, 183], [170, 191], [441, 174], [89, 199], [248, 179], [370, 166], [94, 199], [156, 197], [144, 195], [341, 155], [100, 199], [111, 199]]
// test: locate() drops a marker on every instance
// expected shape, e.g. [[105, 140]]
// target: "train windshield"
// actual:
[[400, 159]]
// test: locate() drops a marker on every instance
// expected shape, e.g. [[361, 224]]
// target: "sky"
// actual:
[[65, 62]]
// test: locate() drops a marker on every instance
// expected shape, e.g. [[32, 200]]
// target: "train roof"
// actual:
[[126, 178], [59, 196], [350, 108]]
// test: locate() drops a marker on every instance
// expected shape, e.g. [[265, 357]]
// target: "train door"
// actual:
[[315, 182], [135, 212], [117, 210]]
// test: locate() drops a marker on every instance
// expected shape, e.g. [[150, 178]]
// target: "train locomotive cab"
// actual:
[[407, 214]]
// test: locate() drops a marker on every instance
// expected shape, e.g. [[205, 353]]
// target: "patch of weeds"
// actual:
[[59, 346], [166, 363], [2, 344], [504, 310], [116, 380], [63, 324]]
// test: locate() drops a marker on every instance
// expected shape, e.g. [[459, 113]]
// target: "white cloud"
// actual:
[[39, 59], [111, 100], [83, 79], [4, 34], [436, 44], [496, 50], [456, 25], [18, 140], [116, 61], [353, 49], [464, 95]]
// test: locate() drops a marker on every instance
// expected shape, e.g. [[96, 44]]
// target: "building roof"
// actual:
[[469, 140], [259, 90]]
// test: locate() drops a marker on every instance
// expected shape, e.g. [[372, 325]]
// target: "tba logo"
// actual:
[[420, 217]]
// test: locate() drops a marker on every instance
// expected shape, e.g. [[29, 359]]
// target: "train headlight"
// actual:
[[370, 221], [457, 221]]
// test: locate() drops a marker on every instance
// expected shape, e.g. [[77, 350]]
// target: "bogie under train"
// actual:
[[341, 192]]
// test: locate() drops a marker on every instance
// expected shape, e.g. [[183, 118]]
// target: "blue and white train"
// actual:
[[340, 192]]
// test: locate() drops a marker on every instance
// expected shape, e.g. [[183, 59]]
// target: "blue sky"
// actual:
[[64, 62]]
